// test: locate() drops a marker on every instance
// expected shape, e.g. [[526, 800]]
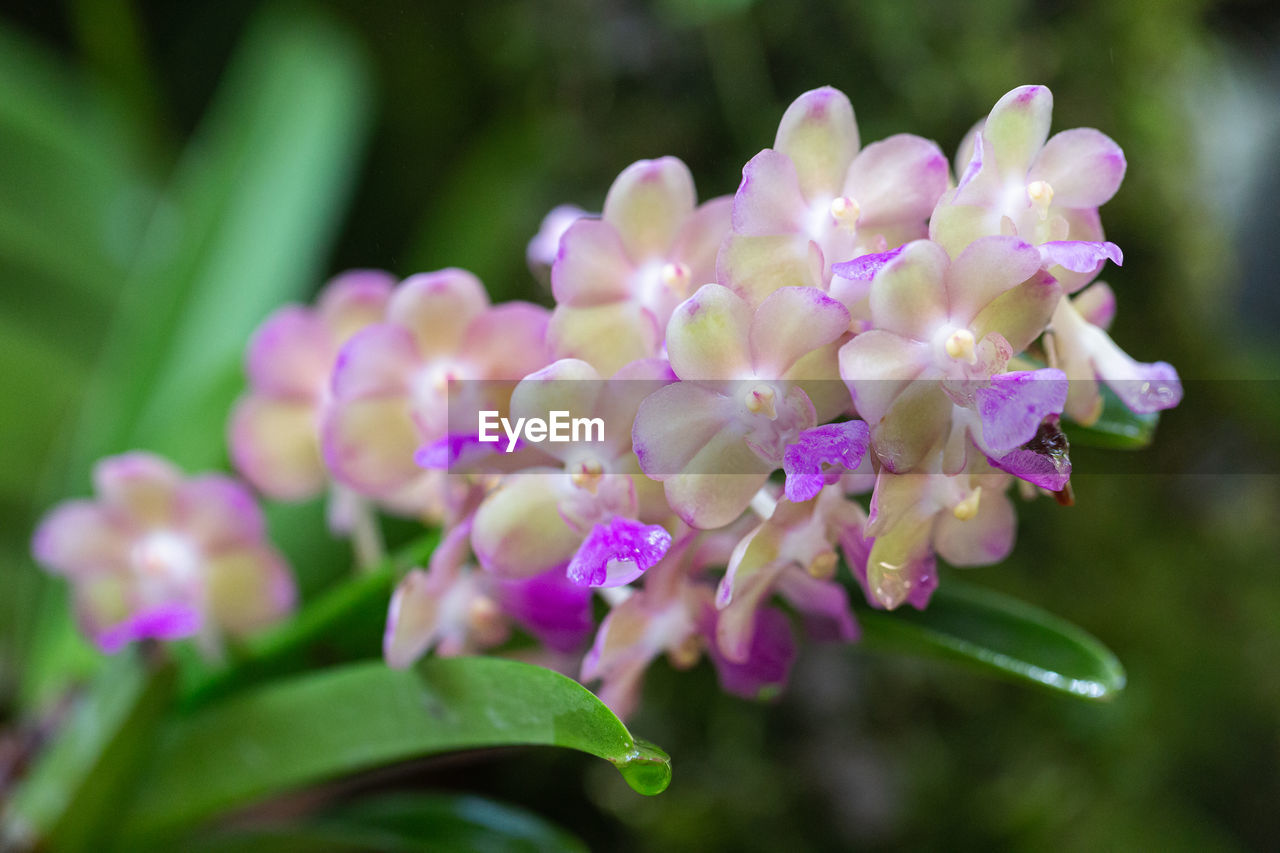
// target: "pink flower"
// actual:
[[1087, 354], [161, 556], [814, 199], [753, 381], [617, 279], [1013, 182], [792, 553], [391, 384], [454, 608], [545, 245], [930, 377], [967, 519], [597, 514], [275, 426]]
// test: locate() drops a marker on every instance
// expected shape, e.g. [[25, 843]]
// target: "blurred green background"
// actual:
[[170, 172]]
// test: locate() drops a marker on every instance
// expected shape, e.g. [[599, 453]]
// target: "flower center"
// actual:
[[845, 211], [760, 400], [587, 475], [962, 346], [1041, 195], [165, 556], [968, 507]]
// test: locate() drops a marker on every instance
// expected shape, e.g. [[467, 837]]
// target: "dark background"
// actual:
[[483, 115]]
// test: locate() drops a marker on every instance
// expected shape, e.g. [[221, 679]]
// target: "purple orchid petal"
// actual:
[[864, 268], [1014, 404], [555, 611], [1043, 461], [166, 622], [1082, 256], [768, 664], [1047, 472], [1155, 388], [842, 444], [459, 449], [617, 553]]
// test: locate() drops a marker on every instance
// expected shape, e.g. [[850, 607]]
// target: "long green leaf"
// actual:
[[1000, 634], [323, 725], [404, 823]]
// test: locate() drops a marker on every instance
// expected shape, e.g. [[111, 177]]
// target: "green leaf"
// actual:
[[75, 791], [324, 725], [1117, 428], [404, 823], [246, 226], [1000, 634]]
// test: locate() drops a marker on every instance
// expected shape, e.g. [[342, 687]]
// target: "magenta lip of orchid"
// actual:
[[856, 359]]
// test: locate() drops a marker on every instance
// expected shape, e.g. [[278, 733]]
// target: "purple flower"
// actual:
[[543, 248], [453, 608], [668, 616], [161, 556], [815, 200]]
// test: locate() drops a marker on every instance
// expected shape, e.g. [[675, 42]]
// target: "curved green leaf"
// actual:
[[1003, 635], [1117, 428], [404, 823], [324, 725]]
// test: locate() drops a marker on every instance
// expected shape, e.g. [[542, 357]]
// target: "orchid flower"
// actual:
[[275, 427], [1086, 354], [793, 553], [1045, 193], [597, 514], [454, 608], [931, 376], [617, 279], [160, 556], [390, 386], [967, 519], [545, 245], [815, 199], [754, 381]]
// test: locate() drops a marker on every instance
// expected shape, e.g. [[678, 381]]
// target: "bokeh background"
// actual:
[[169, 172]]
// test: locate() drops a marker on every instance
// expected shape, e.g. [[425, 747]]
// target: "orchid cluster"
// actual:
[[852, 320]]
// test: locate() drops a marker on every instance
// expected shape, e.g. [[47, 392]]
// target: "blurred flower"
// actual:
[[545, 245], [453, 608], [390, 387], [275, 426], [161, 556]]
